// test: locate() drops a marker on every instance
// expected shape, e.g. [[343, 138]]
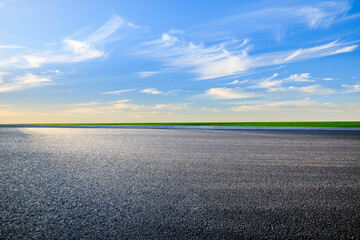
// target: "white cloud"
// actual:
[[233, 82], [268, 82], [124, 104], [147, 73], [231, 57], [207, 62], [328, 49], [322, 15], [303, 77], [119, 91], [312, 14], [315, 89], [106, 30], [173, 92], [28, 80], [82, 50], [54, 71], [277, 86], [346, 49], [227, 93], [71, 50], [134, 25], [10, 46], [151, 91], [351, 88], [172, 107]]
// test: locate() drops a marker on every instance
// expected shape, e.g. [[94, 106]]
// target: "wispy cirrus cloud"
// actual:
[[231, 57], [302, 77], [151, 91], [268, 82], [25, 81], [332, 48], [145, 74], [313, 89], [285, 85], [273, 84], [71, 50], [10, 46], [106, 30], [276, 18], [351, 88], [280, 87], [170, 106], [228, 93], [119, 92], [205, 61], [233, 82]]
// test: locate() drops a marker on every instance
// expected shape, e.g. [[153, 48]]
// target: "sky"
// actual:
[[65, 61]]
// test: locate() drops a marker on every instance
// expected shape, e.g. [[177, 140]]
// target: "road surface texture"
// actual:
[[179, 184]]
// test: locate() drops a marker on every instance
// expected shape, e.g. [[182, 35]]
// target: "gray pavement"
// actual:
[[74, 183]]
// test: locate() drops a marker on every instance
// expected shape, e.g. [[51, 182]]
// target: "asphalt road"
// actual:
[[178, 184]]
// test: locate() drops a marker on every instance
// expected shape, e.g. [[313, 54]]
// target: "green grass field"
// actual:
[[352, 124]]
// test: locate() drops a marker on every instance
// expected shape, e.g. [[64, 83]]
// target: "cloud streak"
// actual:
[[71, 50], [119, 92], [231, 57], [10, 46], [272, 86], [227, 93], [351, 88], [151, 91], [28, 80], [276, 19]]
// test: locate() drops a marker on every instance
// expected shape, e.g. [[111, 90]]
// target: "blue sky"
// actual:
[[162, 61]]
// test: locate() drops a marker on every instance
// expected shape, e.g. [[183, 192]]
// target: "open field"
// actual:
[[61, 183], [348, 124]]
